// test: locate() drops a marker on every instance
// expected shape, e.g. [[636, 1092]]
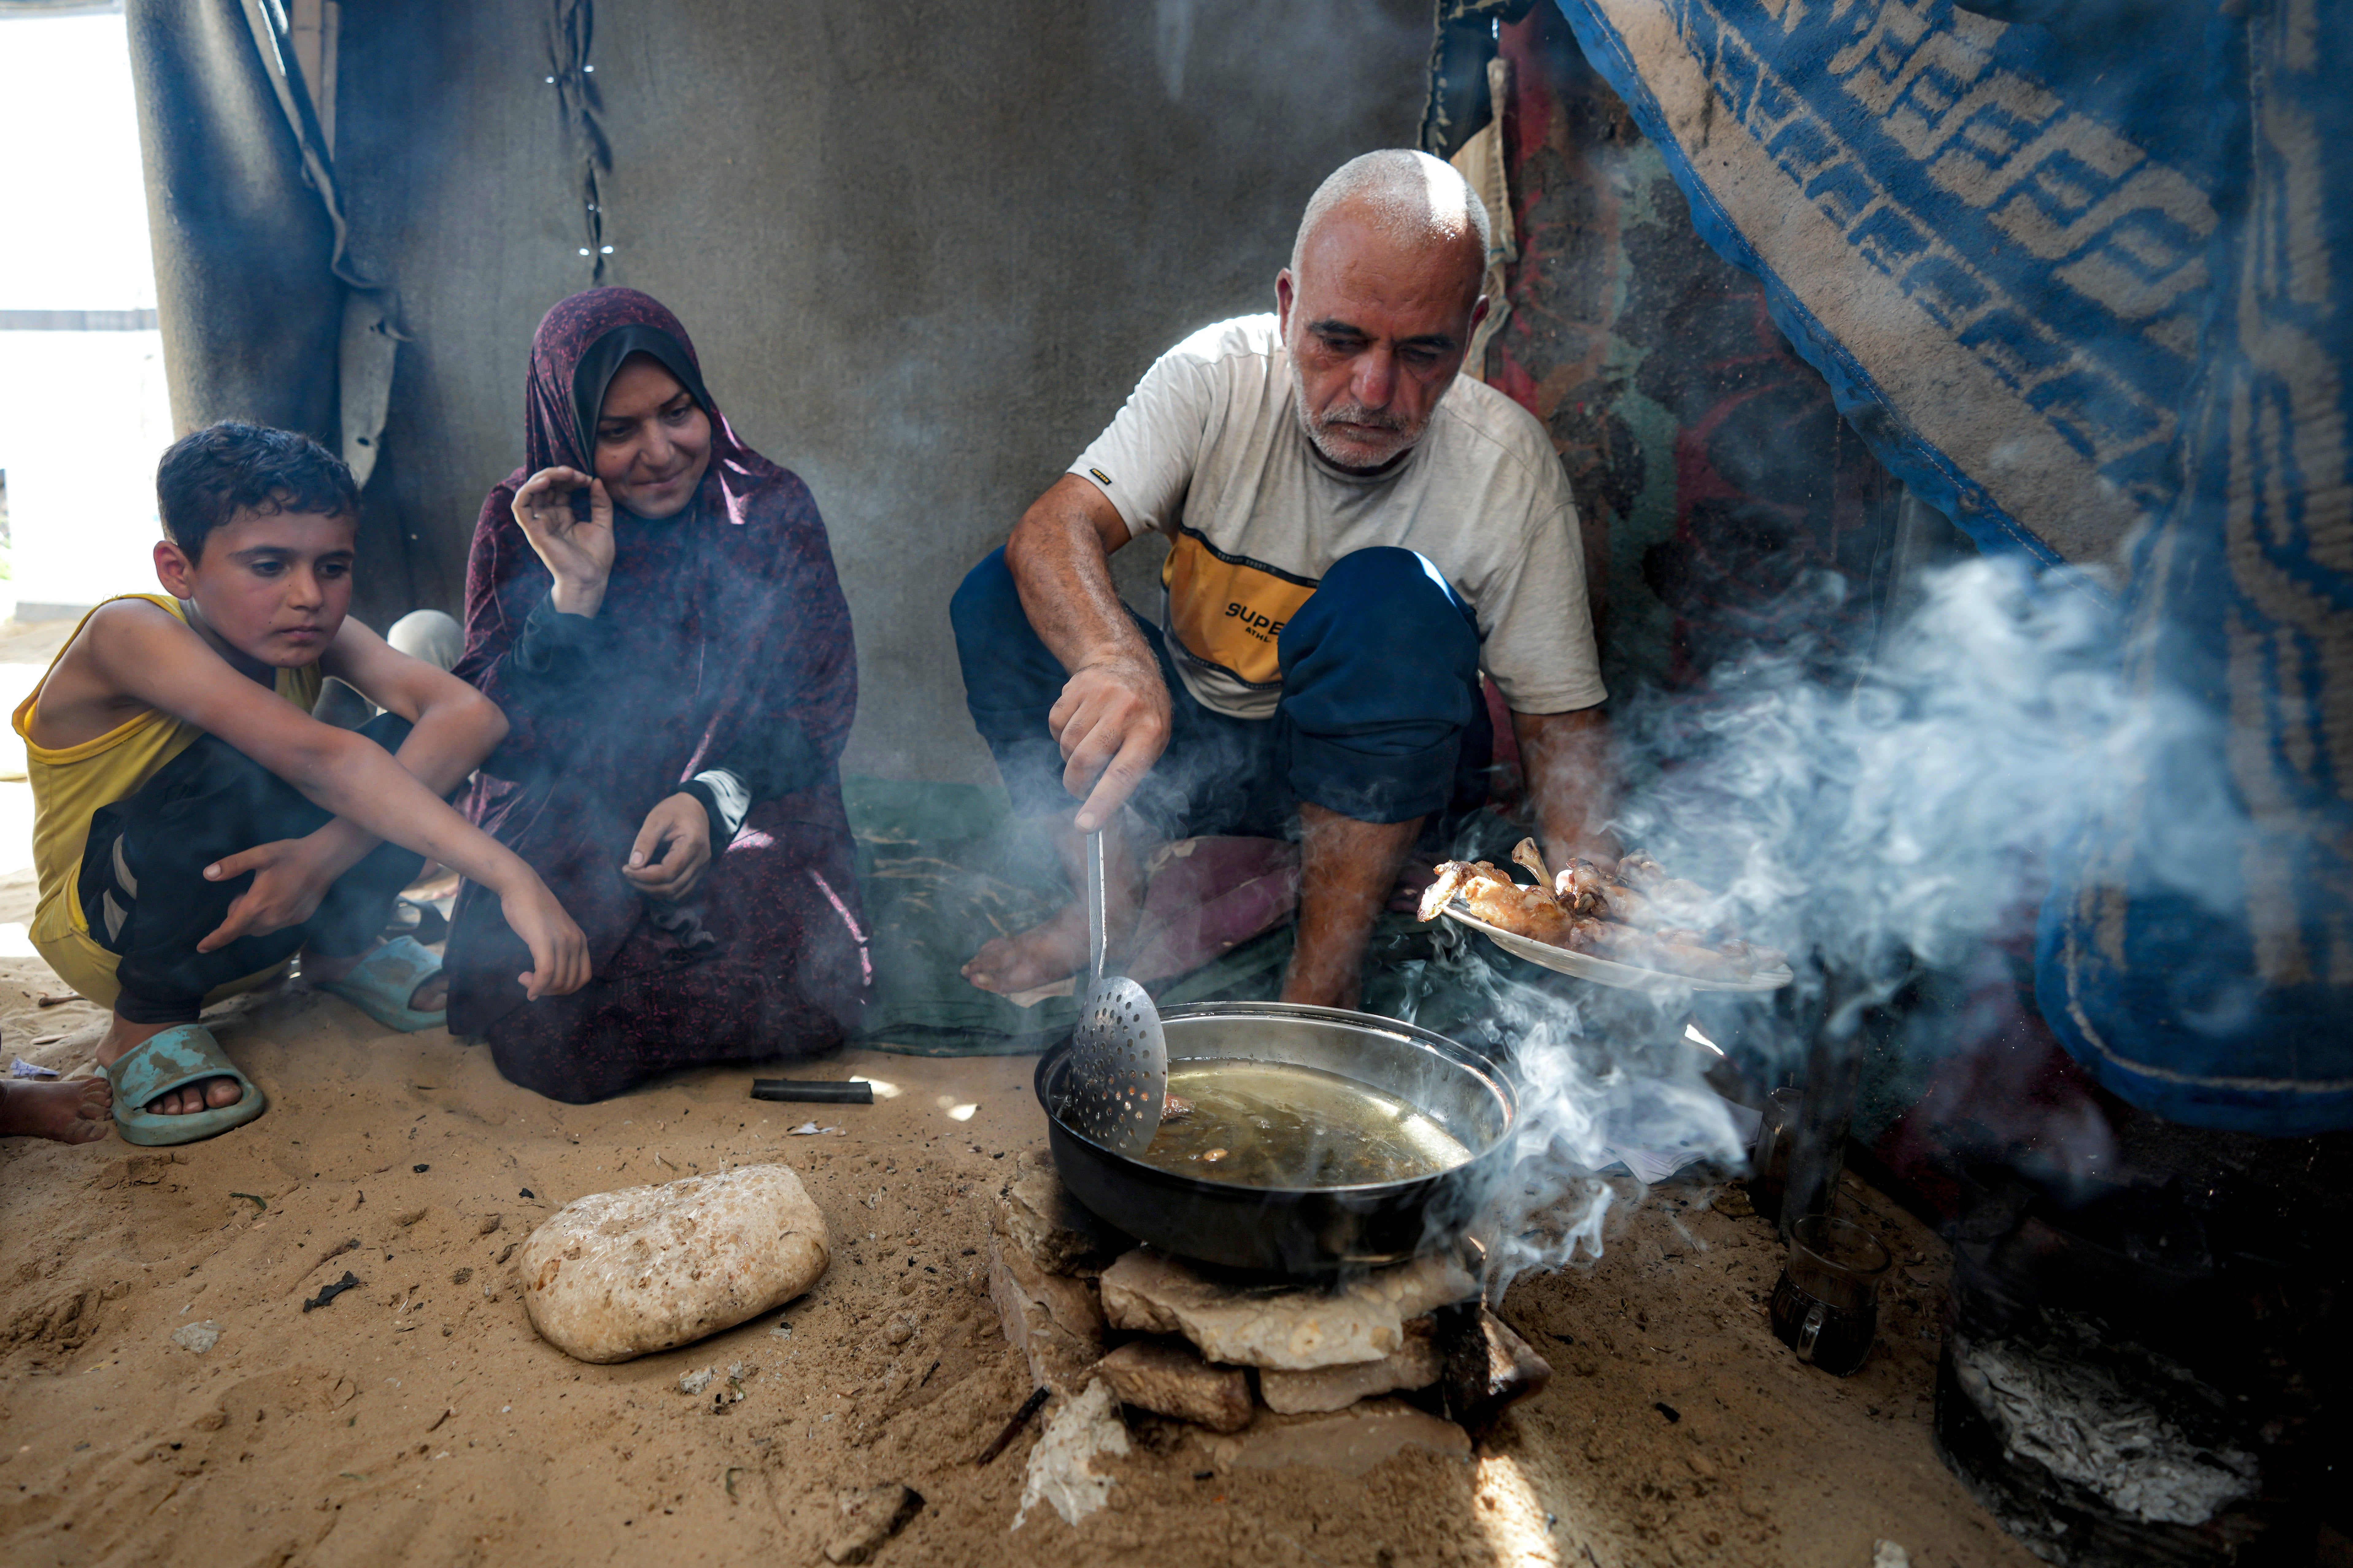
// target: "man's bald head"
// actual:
[[1379, 303], [1410, 199]]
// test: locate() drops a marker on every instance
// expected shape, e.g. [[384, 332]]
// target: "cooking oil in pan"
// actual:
[[1271, 1124]]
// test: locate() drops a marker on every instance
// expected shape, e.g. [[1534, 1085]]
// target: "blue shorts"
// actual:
[[1381, 718]]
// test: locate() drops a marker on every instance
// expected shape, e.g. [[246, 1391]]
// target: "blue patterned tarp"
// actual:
[[2084, 280], [1992, 246]]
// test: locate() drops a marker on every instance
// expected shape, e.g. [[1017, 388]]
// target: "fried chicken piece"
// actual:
[[1640, 894], [1585, 889], [1492, 896], [1453, 878], [1587, 934], [1582, 889], [1452, 874], [1526, 853], [1624, 905], [1688, 899], [1584, 910], [1637, 870]]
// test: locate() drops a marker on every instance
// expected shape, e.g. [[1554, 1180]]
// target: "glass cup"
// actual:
[[1769, 1160], [1826, 1303]]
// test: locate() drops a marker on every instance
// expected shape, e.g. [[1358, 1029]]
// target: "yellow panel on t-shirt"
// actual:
[[1227, 610]]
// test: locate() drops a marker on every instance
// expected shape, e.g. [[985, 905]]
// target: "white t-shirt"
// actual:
[[1208, 451]]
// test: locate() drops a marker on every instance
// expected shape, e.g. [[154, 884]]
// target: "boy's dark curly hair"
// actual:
[[205, 477]]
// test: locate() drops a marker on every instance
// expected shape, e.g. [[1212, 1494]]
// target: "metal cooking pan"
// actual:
[[1309, 1230]]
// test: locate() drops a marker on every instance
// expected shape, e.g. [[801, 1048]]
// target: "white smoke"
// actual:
[[1909, 809], [1869, 818]]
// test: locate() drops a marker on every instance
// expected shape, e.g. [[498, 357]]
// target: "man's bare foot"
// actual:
[[1056, 947], [432, 993], [75, 1110], [204, 1094], [434, 881]]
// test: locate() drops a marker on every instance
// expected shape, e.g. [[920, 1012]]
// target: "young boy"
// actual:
[[193, 827]]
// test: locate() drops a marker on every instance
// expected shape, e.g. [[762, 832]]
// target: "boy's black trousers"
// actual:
[[145, 896]]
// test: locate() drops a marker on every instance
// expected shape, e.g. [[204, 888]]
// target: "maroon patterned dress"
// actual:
[[717, 624]]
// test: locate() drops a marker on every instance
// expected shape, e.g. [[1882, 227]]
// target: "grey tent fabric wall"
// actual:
[[251, 313], [369, 344], [198, 99], [925, 250], [1463, 42]]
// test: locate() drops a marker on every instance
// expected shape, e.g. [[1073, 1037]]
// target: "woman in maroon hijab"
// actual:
[[655, 608]]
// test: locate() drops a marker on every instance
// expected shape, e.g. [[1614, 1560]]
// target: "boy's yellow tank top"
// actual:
[[71, 783]]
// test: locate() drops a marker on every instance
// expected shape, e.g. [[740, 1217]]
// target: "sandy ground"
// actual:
[[419, 1417]]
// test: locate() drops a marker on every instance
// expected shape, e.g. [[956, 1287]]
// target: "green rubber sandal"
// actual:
[[180, 1056], [385, 981]]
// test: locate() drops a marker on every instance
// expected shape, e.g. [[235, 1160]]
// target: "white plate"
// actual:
[[1607, 971]]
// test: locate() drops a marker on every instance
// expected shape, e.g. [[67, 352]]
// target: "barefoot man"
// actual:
[[1354, 535]]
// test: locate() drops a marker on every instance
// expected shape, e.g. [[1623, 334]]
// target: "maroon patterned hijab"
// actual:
[[717, 620], [573, 355]]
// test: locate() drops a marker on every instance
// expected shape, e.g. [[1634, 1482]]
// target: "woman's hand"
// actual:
[[680, 824], [579, 555]]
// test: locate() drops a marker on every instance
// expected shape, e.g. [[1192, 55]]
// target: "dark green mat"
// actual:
[[943, 867]]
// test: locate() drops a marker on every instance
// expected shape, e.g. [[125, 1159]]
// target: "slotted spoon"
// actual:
[[1119, 1060]]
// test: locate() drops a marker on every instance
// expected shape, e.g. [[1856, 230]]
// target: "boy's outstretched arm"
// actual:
[[153, 658], [452, 727]]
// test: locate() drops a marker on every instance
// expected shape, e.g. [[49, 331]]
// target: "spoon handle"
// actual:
[[1095, 941]]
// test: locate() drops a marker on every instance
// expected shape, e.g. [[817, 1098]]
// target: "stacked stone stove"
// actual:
[[1273, 1373]]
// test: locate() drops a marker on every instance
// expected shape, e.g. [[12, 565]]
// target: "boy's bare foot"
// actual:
[[432, 993], [76, 1111], [204, 1094]]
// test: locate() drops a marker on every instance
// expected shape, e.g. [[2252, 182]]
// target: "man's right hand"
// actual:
[[559, 952], [578, 556], [1112, 722]]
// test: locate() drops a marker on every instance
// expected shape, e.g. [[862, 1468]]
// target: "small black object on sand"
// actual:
[[824, 1090], [327, 1293], [1004, 1440]]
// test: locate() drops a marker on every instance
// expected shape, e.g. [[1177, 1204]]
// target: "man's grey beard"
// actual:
[[1311, 426]]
